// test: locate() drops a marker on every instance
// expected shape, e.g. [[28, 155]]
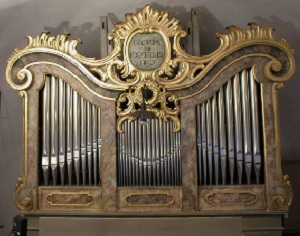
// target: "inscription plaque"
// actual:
[[146, 51]]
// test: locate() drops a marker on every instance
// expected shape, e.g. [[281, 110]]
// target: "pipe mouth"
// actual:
[[143, 122]]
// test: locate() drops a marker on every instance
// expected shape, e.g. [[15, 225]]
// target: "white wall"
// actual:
[[19, 18]]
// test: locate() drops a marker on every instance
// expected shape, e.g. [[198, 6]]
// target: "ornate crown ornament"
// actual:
[[147, 52]]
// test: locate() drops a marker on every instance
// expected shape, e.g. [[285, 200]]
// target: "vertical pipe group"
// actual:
[[148, 154], [71, 136], [228, 134]]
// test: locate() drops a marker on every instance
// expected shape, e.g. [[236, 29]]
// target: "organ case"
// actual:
[[151, 127]]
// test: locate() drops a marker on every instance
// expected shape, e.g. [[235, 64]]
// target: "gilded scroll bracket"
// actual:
[[283, 195], [26, 204]]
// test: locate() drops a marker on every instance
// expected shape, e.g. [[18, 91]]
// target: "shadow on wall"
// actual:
[[209, 25], [87, 35], [90, 37]]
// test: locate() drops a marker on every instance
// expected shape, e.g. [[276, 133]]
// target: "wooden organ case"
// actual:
[[153, 128]]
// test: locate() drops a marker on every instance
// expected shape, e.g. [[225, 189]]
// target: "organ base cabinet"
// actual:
[[154, 136], [136, 225]]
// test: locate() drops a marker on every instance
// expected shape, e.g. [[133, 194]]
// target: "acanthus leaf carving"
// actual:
[[158, 104]]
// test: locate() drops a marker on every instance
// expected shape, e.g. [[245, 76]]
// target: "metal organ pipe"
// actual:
[[62, 129], [89, 141], [157, 150], [203, 146], [98, 124], [229, 121], [215, 128], [95, 144], [151, 153], [69, 133], [222, 133], [209, 141], [230, 133], [246, 124], [54, 128], [76, 135], [71, 136], [83, 139], [257, 157], [199, 160], [238, 126], [46, 130]]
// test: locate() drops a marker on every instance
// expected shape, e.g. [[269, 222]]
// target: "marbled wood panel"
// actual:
[[31, 150], [109, 159], [188, 156], [271, 140], [70, 198], [157, 199], [232, 198], [150, 199], [74, 199]]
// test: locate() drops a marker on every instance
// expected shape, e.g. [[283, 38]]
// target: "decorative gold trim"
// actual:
[[145, 18], [26, 204], [236, 39], [71, 73], [150, 205], [176, 72], [208, 67], [283, 196], [160, 96], [231, 192], [25, 76], [283, 201], [90, 202]]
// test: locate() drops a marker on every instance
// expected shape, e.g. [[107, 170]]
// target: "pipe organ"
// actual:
[[153, 127]]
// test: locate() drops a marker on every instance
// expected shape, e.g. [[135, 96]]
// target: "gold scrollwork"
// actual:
[[283, 201], [178, 70], [24, 77], [158, 104], [26, 204], [235, 39]]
